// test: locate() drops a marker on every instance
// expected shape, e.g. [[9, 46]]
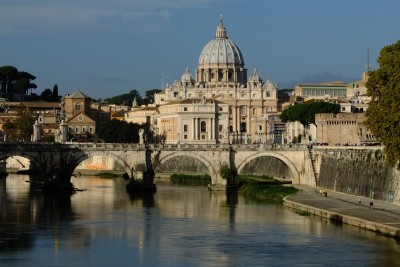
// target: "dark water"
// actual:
[[178, 226]]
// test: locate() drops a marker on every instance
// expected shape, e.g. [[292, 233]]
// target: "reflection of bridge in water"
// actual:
[[282, 161]]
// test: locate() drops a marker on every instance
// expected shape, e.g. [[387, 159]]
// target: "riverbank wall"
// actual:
[[337, 217], [357, 171]]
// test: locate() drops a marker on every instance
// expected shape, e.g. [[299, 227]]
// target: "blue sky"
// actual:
[[111, 47]]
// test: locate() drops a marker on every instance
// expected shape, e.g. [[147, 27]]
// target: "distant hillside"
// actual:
[[322, 77]]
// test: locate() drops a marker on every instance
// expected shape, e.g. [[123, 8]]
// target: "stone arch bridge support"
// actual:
[[139, 160]]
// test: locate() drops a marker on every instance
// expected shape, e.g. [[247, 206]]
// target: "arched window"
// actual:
[[77, 106], [203, 126], [243, 127]]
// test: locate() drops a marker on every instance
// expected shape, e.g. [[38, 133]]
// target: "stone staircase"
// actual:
[[314, 168]]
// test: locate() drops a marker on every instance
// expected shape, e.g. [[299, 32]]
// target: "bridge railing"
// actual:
[[254, 147], [133, 146]]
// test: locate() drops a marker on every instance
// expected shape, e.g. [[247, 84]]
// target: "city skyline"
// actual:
[[107, 49]]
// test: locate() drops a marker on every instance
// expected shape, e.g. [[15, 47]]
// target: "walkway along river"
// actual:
[[177, 226], [380, 217]]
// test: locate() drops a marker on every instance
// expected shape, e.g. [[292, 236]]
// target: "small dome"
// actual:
[[187, 77], [255, 77], [221, 50]]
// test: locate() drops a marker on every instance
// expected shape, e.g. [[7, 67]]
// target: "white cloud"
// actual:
[[49, 16]]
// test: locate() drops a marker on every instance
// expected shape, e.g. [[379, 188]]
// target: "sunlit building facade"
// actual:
[[220, 103]]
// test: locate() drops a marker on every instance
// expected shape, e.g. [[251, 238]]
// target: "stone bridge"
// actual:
[[291, 162]]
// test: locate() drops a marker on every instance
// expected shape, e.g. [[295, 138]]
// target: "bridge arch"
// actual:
[[88, 154], [33, 160], [209, 166], [295, 176]]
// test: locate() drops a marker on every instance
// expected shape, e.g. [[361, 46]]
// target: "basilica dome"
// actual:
[[221, 50]]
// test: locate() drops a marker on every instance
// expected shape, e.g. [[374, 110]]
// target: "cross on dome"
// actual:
[[221, 31]]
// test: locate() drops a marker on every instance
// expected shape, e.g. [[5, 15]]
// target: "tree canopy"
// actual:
[[305, 112], [22, 128], [383, 113], [116, 131], [14, 81], [125, 99]]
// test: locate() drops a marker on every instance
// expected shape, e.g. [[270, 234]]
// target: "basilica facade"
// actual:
[[219, 104]]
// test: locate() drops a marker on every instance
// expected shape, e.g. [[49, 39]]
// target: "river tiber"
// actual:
[[212, 175]]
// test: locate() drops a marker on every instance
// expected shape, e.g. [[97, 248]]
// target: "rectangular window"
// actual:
[[185, 127], [185, 136], [185, 109]]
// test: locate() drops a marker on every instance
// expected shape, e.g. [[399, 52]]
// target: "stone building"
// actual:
[[76, 112], [343, 129], [331, 90], [219, 102]]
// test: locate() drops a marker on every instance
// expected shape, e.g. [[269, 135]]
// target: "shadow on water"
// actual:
[[26, 210], [146, 198]]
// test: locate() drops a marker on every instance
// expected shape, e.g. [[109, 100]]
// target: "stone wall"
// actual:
[[358, 171], [99, 163]]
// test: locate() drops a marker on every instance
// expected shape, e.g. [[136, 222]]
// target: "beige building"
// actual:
[[343, 129], [76, 112], [333, 90], [219, 104]]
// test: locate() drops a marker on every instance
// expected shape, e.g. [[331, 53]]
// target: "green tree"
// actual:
[[54, 95], [305, 112], [24, 82], [8, 75], [46, 95], [383, 113], [22, 128], [14, 81], [149, 95], [125, 99], [116, 131]]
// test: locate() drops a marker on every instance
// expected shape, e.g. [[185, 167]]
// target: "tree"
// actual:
[[305, 113], [125, 99], [149, 94], [383, 113], [8, 75], [54, 95], [14, 81], [22, 128], [116, 131], [27, 84], [46, 95]]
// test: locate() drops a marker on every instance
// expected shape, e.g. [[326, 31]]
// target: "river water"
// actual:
[[178, 226]]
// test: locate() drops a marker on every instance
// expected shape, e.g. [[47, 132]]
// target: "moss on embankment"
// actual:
[[264, 189]]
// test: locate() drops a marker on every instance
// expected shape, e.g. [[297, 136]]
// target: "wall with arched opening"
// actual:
[[183, 163], [100, 162], [269, 164]]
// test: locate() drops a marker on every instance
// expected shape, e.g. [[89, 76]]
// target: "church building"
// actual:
[[219, 104]]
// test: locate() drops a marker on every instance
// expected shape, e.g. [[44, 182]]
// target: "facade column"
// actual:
[[234, 118], [238, 118], [249, 110], [194, 129], [198, 129], [211, 129]]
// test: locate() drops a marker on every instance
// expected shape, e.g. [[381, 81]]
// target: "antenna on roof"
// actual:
[[163, 77], [368, 66]]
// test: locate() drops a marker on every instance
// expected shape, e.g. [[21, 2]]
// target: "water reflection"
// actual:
[[177, 226]]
